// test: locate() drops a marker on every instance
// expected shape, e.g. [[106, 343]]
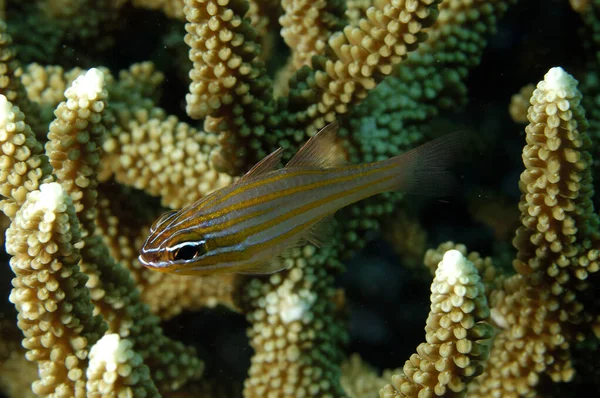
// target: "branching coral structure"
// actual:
[[113, 112], [456, 334], [542, 310]]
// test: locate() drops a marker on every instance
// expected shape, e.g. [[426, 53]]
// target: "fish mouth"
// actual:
[[160, 266], [143, 261], [150, 261]]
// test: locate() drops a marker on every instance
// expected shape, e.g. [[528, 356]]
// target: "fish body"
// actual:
[[246, 226]]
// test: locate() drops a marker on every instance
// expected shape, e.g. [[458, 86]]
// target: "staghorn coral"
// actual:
[[55, 310], [559, 235], [240, 105], [519, 103], [491, 276], [161, 155], [557, 249], [73, 150], [360, 380], [296, 332], [11, 85], [116, 370], [65, 31], [456, 333], [306, 27], [74, 157], [190, 163]]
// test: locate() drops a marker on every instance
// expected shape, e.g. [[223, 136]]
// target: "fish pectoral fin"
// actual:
[[316, 235], [321, 232], [320, 151], [267, 267], [268, 163], [280, 261]]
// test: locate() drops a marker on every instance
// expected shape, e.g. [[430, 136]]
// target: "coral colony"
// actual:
[[93, 151]]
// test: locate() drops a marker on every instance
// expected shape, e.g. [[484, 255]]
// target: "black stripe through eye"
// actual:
[[189, 250]]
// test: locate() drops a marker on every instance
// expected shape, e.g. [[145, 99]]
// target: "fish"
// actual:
[[247, 227]]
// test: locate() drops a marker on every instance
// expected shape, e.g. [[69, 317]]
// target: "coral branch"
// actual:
[[456, 335], [557, 249], [306, 26], [367, 52], [294, 333], [24, 167], [116, 370], [55, 309], [559, 239], [76, 137], [222, 49]]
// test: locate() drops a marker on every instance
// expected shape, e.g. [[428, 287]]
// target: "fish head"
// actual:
[[167, 251]]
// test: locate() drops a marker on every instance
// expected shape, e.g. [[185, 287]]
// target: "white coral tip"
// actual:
[[453, 266], [5, 110], [89, 85], [109, 350], [557, 80], [293, 308], [50, 197]]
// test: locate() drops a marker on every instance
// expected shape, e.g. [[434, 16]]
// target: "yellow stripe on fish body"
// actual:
[[245, 226]]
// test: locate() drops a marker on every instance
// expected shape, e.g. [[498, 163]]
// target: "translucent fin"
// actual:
[[268, 267], [321, 232], [278, 262], [425, 170], [320, 150], [268, 163]]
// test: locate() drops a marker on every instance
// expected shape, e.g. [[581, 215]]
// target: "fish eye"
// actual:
[[188, 250]]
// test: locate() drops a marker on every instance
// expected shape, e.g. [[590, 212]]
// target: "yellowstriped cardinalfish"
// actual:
[[246, 226]]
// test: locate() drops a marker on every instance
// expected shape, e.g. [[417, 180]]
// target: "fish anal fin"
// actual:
[[268, 163], [320, 151], [321, 232]]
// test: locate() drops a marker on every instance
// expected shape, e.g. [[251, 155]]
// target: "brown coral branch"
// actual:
[[231, 89], [364, 53], [55, 308], [74, 149], [557, 249], [456, 348], [295, 334]]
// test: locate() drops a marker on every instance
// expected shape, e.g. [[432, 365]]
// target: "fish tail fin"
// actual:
[[425, 169]]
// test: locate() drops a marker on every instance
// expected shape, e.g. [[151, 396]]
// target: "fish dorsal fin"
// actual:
[[320, 151], [268, 163]]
